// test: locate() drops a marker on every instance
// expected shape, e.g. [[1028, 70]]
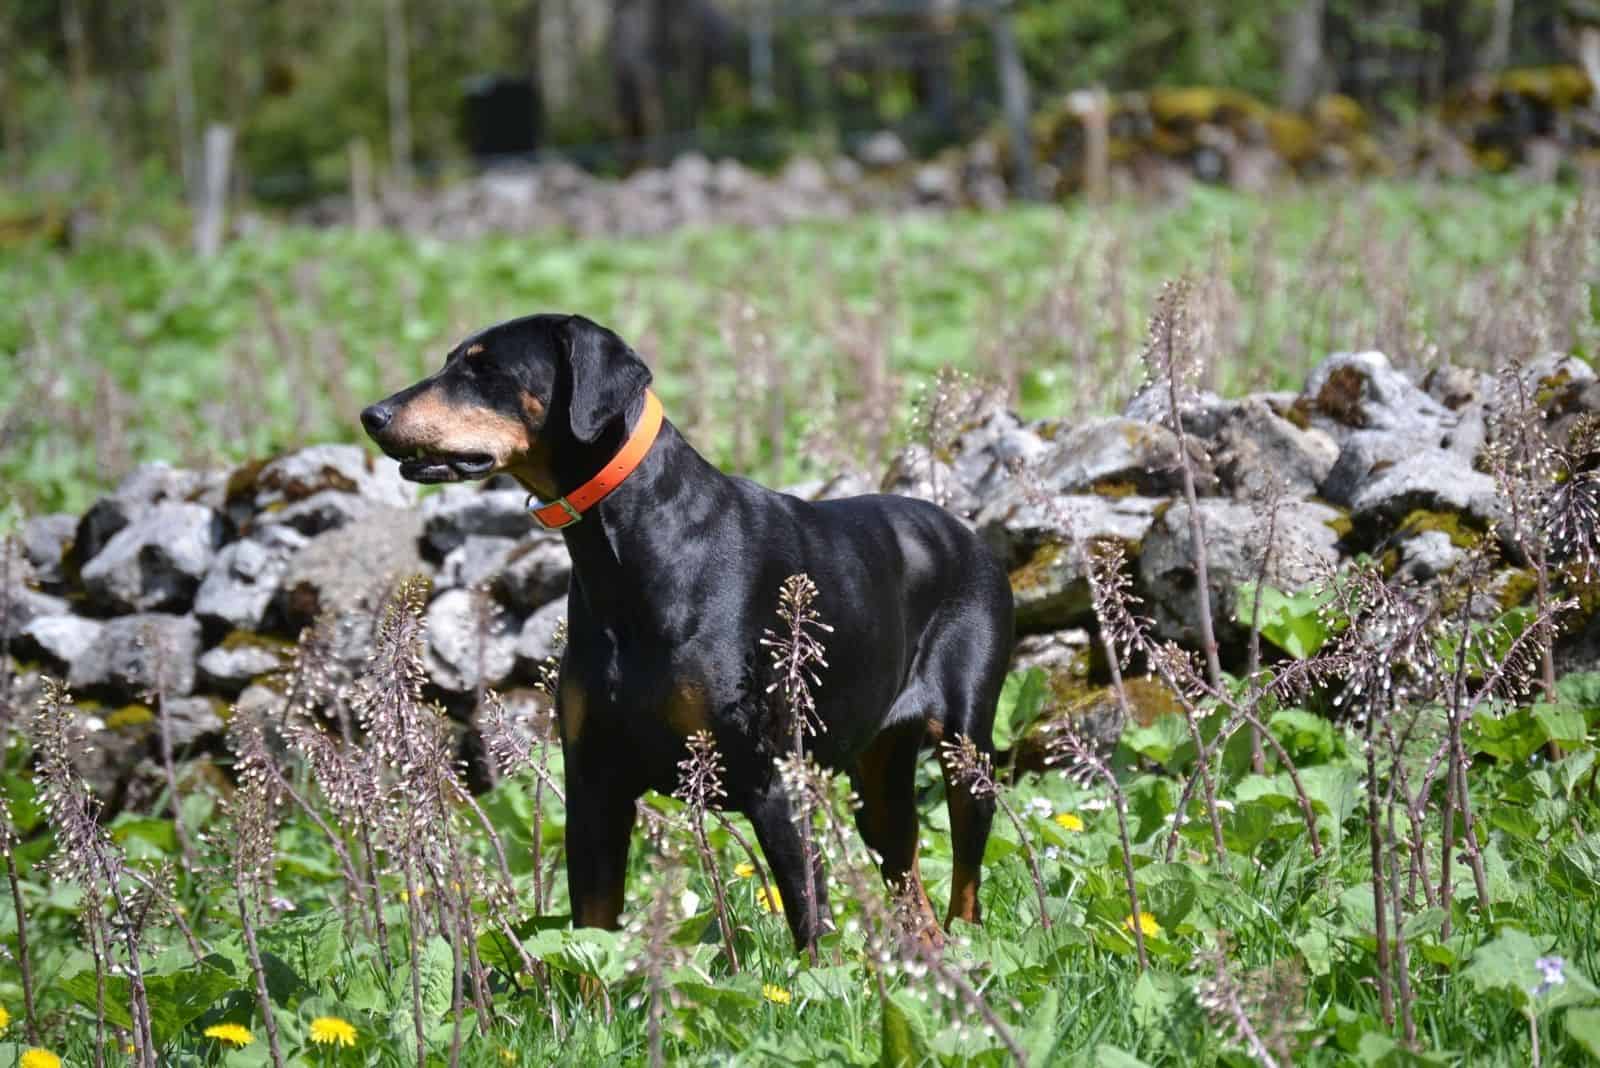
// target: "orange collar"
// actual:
[[565, 511]]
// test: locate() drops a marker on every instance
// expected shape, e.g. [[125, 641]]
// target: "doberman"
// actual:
[[676, 571]]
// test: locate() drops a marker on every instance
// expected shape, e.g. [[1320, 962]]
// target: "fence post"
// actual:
[[209, 224], [1014, 98]]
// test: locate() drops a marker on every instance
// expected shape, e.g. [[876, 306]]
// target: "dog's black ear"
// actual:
[[607, 376]]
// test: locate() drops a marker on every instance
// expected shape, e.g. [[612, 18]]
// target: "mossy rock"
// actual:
[[245, 639], [130, 718], [1341, 395], [1095, 712], [1463, 531]]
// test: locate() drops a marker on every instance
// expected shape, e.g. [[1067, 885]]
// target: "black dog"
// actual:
[[675, 577]]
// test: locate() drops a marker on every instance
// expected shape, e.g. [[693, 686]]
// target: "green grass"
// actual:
[[1074, 995], [763, 342]]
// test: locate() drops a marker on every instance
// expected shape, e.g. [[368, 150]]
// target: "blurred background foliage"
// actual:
[[110, 97]]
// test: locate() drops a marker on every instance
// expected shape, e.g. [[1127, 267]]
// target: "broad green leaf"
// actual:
[[905, 1033], [1576, 868], [1511, 738], [1584, 1027], [1111, 1057], [1563, 724], [1159, 741], [1292, 622], [1507, 966]]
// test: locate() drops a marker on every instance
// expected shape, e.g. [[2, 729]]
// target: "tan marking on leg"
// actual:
[[964, 882], [687, 711], [573, 709]]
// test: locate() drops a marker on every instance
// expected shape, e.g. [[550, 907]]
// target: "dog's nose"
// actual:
[[376, 417]]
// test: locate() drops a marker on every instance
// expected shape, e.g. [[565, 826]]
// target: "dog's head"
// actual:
[[515, 398]]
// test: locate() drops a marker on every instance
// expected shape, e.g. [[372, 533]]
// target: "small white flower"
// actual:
[[1552, 973], [1052, 853], [1041, 807]]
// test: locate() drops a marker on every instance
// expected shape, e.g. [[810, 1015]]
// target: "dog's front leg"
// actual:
[[599, 826], [772, 816]]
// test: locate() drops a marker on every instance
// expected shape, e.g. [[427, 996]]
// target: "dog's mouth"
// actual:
[[419, 465]]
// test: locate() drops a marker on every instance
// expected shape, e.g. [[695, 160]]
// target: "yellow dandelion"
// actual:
[[5, 1018], [776, 994], [332, 1031], [507, 1056], [1147, 924], [769, 900], [39, 1058], [744, 869], [1069, 821], [234, 1034]]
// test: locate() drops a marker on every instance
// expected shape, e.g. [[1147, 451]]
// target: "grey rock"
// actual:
[[935, 184], [321, 511], [1362, 391], [243, 581], [229, 668], [459, 511], [535, 573], [477, 559], [45, 541], [1303, 549], [1435, 482], [915, 472], [804, 175], [258, 700], [1047, 544], [1457, 387], [62, 639], [536, 642], [136, 654], [1257, 452], [1203, 412], [987, 453], [846, 484], [191, 720], [347, 571], [1055, 651], [1123, 454], [20, 605], [1427, 555], [469, 643], [346, 468], [145, 486], [157, 560], [882, 150]]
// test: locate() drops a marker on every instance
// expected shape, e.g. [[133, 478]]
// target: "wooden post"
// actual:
[[210, 221], [1014, 98], [363, 202], [398, 56], [181, 59], [1093, 109], [761, 93]]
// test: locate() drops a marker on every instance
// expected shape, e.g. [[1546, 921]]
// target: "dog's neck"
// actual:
[[618, 545]]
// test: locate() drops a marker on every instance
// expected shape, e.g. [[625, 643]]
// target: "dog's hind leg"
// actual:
[[772, 816], [885, 779], [969, 668]]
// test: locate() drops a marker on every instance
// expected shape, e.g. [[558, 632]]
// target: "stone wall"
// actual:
[[193, 585]]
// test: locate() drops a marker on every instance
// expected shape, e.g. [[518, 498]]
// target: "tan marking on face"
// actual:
[[573, 709], [431, 424], [687, 709], [473, 350]]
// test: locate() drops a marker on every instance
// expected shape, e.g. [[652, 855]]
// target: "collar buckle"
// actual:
[[547, 515]]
